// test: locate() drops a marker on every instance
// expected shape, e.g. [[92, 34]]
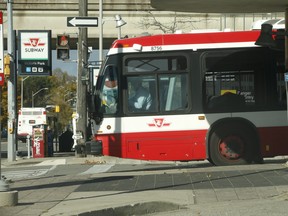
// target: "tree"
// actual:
[[176, 22], [61, 91], [63, 94], [4, 111]]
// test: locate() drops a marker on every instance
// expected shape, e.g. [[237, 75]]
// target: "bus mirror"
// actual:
[[91, 103], [265, 39]]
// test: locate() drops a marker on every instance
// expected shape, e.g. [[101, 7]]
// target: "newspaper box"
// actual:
[[39, 141]]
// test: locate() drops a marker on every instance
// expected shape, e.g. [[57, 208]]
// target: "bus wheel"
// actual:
[[229, 146]]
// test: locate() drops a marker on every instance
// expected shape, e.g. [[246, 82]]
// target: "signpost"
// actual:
[[4, 187], [35, 53], [82, 21]]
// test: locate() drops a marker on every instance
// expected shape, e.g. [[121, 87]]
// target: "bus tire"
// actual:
[[230, 145]]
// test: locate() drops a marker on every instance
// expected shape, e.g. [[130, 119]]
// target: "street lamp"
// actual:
[[119, 23], [33, 94], [22, 89]]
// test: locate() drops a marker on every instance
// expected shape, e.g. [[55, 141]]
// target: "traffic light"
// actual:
[[57, 108], [62, 47], [7, 62]]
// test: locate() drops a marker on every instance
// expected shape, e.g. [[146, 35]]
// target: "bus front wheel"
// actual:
[[231, 146]]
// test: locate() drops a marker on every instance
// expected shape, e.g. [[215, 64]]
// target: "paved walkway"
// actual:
[[111, 186]]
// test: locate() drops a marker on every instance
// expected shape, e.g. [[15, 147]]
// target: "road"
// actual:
[[100, 185], [59, 186]]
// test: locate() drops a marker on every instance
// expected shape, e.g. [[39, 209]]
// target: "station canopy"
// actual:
[[221, 6]]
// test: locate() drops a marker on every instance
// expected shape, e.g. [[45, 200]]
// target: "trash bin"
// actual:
[[94, 147]]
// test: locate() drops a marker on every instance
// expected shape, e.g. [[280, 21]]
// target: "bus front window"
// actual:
[[109, 91]]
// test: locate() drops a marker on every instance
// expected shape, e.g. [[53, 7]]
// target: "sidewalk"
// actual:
[[133, 187]]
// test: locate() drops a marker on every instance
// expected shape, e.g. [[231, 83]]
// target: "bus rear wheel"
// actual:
[[231, 146]]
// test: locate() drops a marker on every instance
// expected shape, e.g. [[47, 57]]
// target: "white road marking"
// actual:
[[20, 174], [97, 169], [52, 162]]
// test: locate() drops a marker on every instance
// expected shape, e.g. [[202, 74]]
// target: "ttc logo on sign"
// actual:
[[33, 43]]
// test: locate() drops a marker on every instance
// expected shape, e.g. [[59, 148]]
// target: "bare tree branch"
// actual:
[[174, 23]]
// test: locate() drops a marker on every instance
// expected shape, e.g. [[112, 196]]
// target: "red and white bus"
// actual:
[[29, 117], [215, 96]]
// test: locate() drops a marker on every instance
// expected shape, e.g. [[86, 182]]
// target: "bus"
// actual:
[[27, 118], [215, 96]]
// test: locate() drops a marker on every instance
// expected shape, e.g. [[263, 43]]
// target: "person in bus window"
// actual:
[[141, 101], [110, 95]]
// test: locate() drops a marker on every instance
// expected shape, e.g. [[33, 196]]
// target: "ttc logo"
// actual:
[[158, 122], [34, 42]]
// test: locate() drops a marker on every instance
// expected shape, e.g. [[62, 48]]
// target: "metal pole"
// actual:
[[3, 185], [11, 93], [28, 146], [286, 61], [119, 32], [286, 57], [82, 67], [100, 31], [22, 89], [33, 94], [32, 99], [286, 41]]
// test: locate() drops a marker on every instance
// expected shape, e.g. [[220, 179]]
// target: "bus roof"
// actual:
[[32, 108], [194, 41]]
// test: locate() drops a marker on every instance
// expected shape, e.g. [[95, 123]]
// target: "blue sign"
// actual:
[[286, 77]]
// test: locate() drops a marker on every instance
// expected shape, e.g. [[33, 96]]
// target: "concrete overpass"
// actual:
[[52, 15], [221, 6]]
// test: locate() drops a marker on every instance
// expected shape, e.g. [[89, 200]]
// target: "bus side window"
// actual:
[[227, 101], [141, 93], [173, 92]]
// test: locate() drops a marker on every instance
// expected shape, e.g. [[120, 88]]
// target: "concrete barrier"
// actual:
[[8, 198]]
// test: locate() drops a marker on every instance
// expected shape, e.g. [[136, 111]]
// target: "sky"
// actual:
[[71, 66]]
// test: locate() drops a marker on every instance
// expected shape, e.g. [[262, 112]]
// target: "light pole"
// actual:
[[22, 89], [101, 31], [119, 23], [33, 94]]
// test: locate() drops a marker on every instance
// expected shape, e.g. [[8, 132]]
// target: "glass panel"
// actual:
[[282, 98], [109, 91], [152, 64], [229, 89], [173, 92], [141, 93], [230, 80]]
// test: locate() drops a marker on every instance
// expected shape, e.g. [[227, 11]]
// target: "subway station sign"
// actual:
[[35, 53]]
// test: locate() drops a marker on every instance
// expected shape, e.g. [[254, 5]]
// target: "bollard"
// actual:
[[28, 146]]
